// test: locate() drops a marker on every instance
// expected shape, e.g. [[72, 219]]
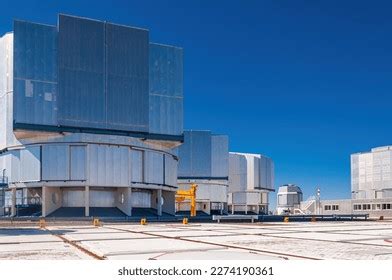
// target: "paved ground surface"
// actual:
[[320, 240]]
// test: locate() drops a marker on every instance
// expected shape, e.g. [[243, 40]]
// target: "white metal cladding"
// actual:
[[141, 199], [137, 159], [219, 156], [55, 159], [371, 173], [78, 162], [166, 89], [102, 197], [35, 73], [73, 198], [170, 170], [249, 172], [30, 164], [154, 169], [108, 165]]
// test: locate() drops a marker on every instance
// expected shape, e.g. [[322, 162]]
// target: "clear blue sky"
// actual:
[[304, 82]]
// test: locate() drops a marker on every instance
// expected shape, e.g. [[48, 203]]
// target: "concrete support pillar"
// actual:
[[129, 201], [44, 201], [13, 202], [87, 201], [232, 209], [258, 209], [246, 209], [159, 202]]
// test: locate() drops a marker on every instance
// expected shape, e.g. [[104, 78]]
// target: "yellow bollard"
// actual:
[[286, 219], [42, 223], [96, 222], [143, 221], [185, 221], [313, 219]]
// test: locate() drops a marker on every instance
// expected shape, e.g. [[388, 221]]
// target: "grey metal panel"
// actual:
[[127, 78], [153, 171], [30, 164], [185, 156], [237, 172], [55, 162], [102, 198], [141, 199], [73, 198], [137, 159], [14, 166], [170, 170], [108, 165], [81, 72], [166, 89], [219, 156], [78, 162], [35, 73]]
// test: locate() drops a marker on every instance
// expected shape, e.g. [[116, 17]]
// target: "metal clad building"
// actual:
[[203, 159], [80, 128], [251, 178]]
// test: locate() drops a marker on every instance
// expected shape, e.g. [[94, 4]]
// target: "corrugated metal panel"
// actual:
[[55, 162], [170, 170], [219, 156], [108, 165], [73, 198], [35, 73], [78, 162], [237, 172], [102, 198], [127, 78], [82, 100], [185, 156], [141, 199], [30, 164], [137, 166], [153, 165], [166, 89]]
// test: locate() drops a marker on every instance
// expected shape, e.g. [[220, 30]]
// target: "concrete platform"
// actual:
[[368, 240]]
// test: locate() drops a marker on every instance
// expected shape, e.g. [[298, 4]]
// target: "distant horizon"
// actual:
[[306, 84]]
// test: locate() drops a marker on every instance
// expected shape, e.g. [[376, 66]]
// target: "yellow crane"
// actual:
[[182, 195]]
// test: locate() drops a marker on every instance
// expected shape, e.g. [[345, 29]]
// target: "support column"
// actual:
[[232, 209], [258, 209], [129, 201], [13, 202], [87, 201], [159, 202], [246, 209]]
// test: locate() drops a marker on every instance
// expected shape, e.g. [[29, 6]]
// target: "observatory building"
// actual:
[[90, 112], [204, 160], [251, 179]]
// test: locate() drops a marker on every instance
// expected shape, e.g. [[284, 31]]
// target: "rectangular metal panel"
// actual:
[[73, 198], [35, 73], [82, 100], [170, 170], [55, 162], [108, 166], [219, 156], [166, 89], [127, 77], [102, 198], [153, 171], [184, 153], [141, 199], [30, 164], [14, 166], [137, 166], [78, 162]]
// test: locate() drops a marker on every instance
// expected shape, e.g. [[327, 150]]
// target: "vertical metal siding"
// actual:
[[30, 164], [35, 73], [201, 153], [220, 156], [153, 164], [127, 77], [82, 100], [170, 170], [166, 89], [78, 162], [55, 162], [137, 166]]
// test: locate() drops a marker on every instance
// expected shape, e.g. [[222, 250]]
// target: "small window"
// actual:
[[335, 207], [327, 207], [378, 206], [388, 206], [373, 206]]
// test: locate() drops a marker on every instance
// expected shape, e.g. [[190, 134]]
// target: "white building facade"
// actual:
[[251, 179]]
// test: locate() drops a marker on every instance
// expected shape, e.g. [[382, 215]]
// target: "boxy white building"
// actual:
[[251, 179]]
